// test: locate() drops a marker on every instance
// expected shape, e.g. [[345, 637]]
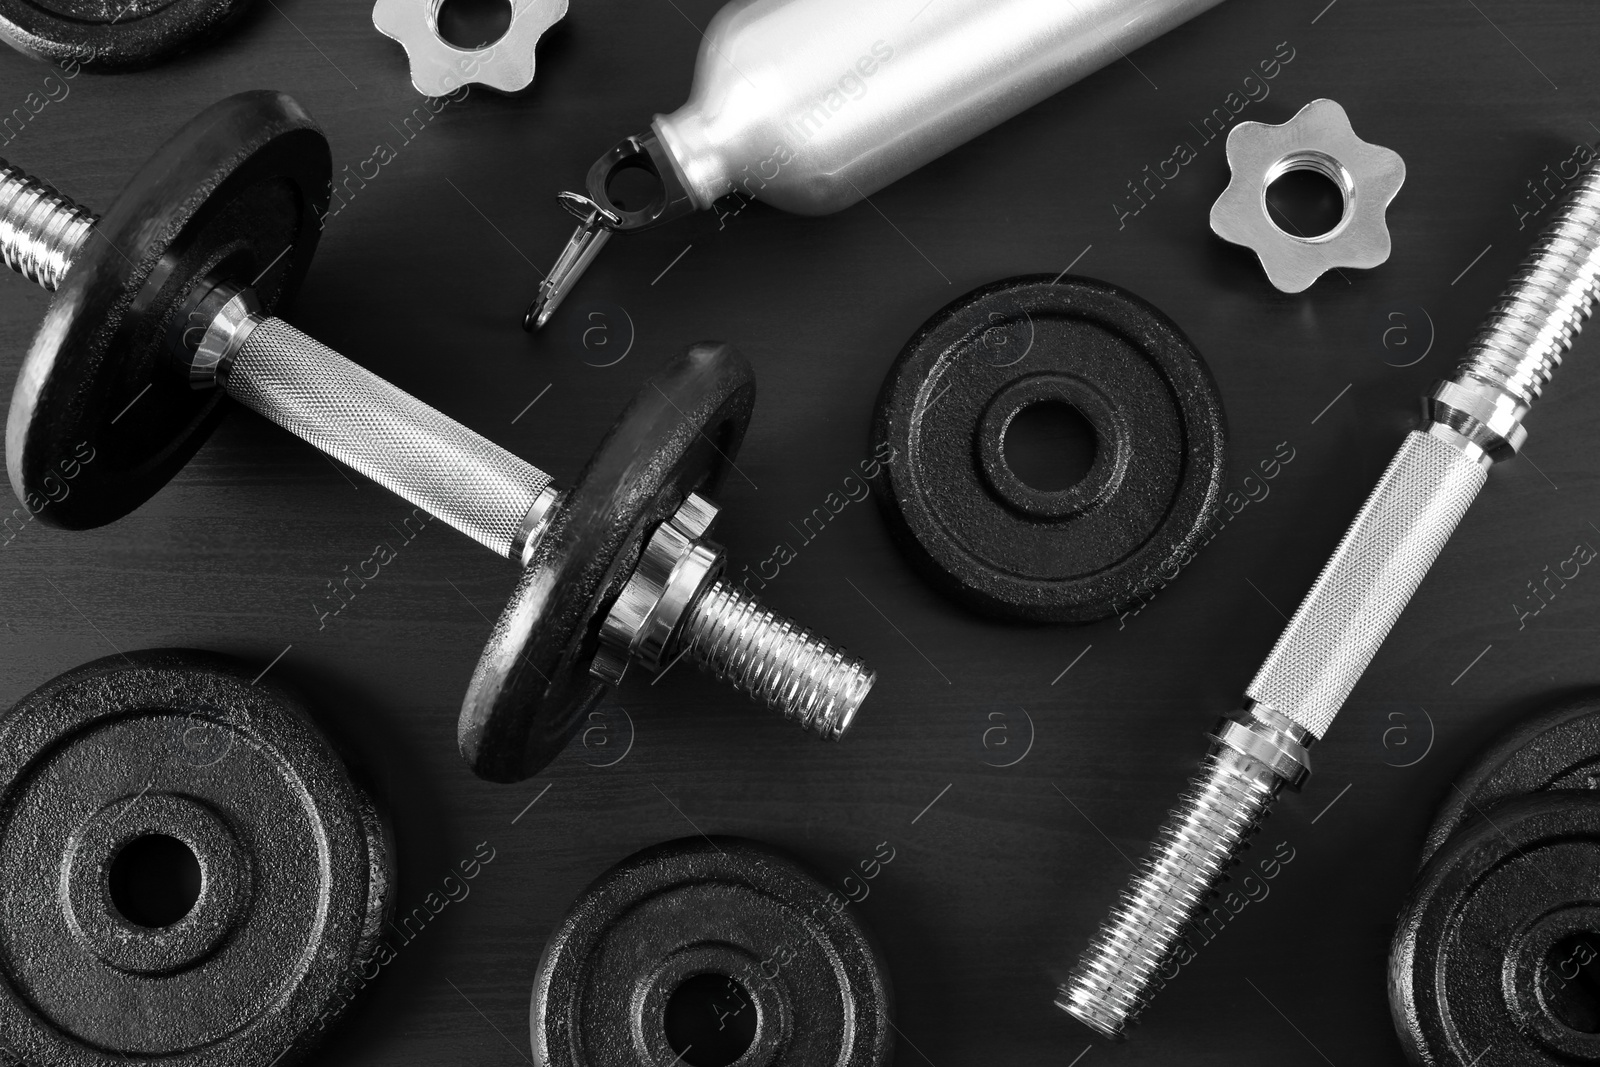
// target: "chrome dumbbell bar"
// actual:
[[1473, 420]]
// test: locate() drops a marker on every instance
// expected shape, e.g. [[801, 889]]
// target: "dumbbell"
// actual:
[[165, 307]]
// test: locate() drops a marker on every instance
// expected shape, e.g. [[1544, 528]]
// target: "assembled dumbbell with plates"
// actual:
[[163, 311]]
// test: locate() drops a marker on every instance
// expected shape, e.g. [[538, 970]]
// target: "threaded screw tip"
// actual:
[[1124, 963], [41, 231], [776, 661]]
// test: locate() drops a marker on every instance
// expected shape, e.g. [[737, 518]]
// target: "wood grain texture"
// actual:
[[996, 887]]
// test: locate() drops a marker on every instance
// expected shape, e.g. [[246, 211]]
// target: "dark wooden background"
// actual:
[[997, 886]]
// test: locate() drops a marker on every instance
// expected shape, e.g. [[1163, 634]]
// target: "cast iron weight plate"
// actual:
[[294, 863], [113, 35], [100, 420], [787, 964], [1496, 948], [1556, 749], [532, 687], [972, 526]]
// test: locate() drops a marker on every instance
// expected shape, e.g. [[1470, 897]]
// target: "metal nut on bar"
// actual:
[[677, 564], [1318, 139]]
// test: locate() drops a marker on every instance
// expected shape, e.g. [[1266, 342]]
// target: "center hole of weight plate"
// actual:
[[1571, 981], [154, 880], [710, 1020], [1050, 446], [1306, 197], [473, 24]]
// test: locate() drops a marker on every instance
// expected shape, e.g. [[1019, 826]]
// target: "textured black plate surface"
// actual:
[[120, 35], [293, 868], [1558, 748], [532, 687], [792, 970], [101, 418], [979, 530], [1497, 946]]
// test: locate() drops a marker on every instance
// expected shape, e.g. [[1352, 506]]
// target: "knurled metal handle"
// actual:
[[385, 433], [1362, 590]]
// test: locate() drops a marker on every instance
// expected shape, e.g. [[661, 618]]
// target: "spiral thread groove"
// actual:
[[41, 231], [1539, 315], [1125, 962], [776, 661]]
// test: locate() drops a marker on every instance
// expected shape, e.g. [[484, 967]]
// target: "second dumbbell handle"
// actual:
[[1474, 417], [388, 435]]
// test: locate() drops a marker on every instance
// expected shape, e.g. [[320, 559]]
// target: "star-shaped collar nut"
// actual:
[[439, 67], [1321, 139]]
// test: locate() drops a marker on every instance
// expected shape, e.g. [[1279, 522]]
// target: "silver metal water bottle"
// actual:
[[811, 105]]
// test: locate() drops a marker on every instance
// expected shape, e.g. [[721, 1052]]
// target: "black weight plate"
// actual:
[[532, 685], [1556, 749], [100, 418], [123, 755], [1496, 950], [789, 968], [113, 35], [978, 531]]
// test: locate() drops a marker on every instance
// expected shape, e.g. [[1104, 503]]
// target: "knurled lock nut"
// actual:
[[1319, 139], [439, 68], [676, 565]]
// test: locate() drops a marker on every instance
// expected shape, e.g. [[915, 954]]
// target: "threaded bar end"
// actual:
[[1538, 317], [775, 661], [41, 231], [1124, 963]]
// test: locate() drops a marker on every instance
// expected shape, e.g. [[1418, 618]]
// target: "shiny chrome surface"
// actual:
[[385, 433], [676, 603], [1272, 740], [1479, 413], [1368, 581], [810, 105], [775, 661], [1530, 329], [41, 231], [439, 68], [1319, 138], [677, 565], [535, 523], [1340, 625], [1124, 963], [225, 335], [581, 248]]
